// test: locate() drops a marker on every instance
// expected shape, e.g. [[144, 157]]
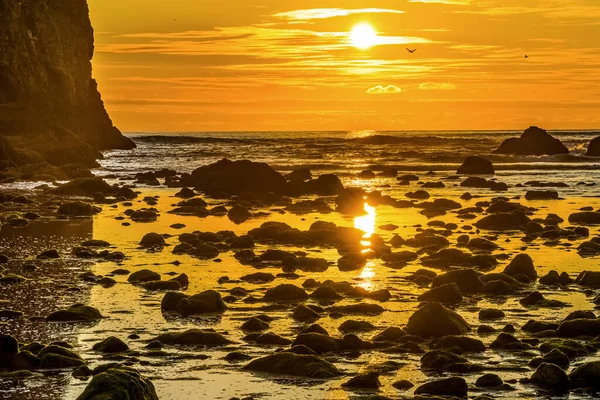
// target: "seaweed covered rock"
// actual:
[[119, 383], [111, 345], [286, 363], [75, 313]]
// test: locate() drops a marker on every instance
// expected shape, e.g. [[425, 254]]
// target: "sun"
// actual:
[[363, 36]]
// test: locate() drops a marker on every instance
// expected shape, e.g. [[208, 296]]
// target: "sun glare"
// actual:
[[363, 36]]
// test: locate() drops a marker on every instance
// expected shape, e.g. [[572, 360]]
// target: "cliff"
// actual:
[[50, 107]]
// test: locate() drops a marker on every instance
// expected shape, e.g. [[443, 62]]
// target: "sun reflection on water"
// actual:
[[366, 223]]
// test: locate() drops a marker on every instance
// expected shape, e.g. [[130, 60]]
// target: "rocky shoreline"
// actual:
[[457, 305]]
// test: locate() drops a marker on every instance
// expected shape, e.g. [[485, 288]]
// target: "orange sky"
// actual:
[[204, 65]]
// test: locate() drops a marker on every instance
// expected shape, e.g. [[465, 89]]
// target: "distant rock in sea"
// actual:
[[50, 107], [533, 142], [593, 149], [475, 165]]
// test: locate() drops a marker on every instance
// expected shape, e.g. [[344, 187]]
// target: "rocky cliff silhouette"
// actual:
[[50, 107]]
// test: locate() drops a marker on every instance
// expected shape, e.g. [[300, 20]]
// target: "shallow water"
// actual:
[[183, 374]]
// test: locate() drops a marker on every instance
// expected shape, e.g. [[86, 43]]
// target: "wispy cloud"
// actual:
[[324, 13], [453, 2], [380, 89], [437, 86]]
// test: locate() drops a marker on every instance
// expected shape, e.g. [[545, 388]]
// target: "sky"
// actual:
[[261, 65]]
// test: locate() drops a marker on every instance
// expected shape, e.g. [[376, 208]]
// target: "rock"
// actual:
[[271, 339], [467, 280], [522, 264], [474, 165], [258, 277], [238, 214], [325, 293], [482, 183], [533, 326], [434, 320], [403, 385], [234, 177], [119, 383], [59, 361], [83, 372], [553, 357], [490, 313], [318, 342], [111, 345], [507, 341], [194, 337], [447, 293], [589, 279], [77, 209], [593, 149], [255, 324], [464, 343], [206, 302], [454, 386], [511, 221], [586, 375], [579, 327], [287, 363], [389, 334], [143, 215], [75, 313], [285, 292], [11, 279], [541, 195], [367, 381], [351, 262], [299, 175], [303, 313], [585, 218], [488, 381], [538, 300], [551, 376], [49, 254], [25, 360], [9, 347], [356, 326], [534, 141], [440, 360], [236, 356], [152, 240], [144, 275]]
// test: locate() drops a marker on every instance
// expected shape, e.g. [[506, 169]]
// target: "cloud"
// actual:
[[437, 86], [323, 13], [380, 89], [453, 2]]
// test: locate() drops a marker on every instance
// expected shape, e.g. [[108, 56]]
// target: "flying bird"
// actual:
[[411, 51], [526, 56]]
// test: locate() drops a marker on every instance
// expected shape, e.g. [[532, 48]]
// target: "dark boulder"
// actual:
[[435, 320], [522, 264], [111, 345], [454, 386], [447, 293], [534, 141], [475, 165], [287, 363], [593, 149], [194, 337], [552, 377], [75, 313], [234, 177], [119, 383], [586, 375]]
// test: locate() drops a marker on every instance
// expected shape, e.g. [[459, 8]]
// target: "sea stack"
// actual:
[[50, 107], [593, 149], [533, 142]]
